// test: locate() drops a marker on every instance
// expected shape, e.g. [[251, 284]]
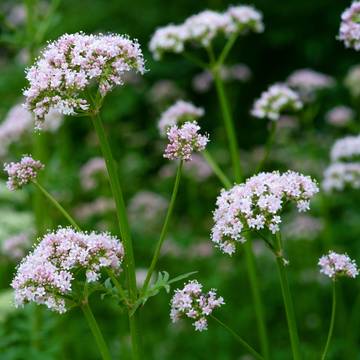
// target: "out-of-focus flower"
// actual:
[[238, 72], [350, 26], [193, 303], [275, 101], [198, 168], [22, 172], [307, 82], [303, 227], [346, 148], [90, 171], [352, 80], [340, 116], [334, 265], [178, 113], [201, 249], [202, 28], [339, 176], [16, 15], [171, 248], [16, 246], [184, 140], [257, 204], [45, 276], [164, 92], [69, 65], [99, 206]]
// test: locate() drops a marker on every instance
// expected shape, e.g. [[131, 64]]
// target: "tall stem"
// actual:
[[216, 169], [164, 228], [285, 289], [57, 205], [239, 339], [229, 126], [105, 354], [268, 147], [332, 321], [124, 228]]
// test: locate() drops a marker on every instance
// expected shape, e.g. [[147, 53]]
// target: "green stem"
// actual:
[[57, 205], [239, 339], [105, 354], [124, 228], [228, 46], [285, 289], [229, 126], [332, 321], [216, 169], [118, 286], [268, 147], [164, 228]]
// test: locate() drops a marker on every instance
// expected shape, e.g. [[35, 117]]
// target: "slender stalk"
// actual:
[[229, 126], [285, 289], [216, 169], [124, 229], [118, 286], [239, 339], [226, 49], [57, 205], [105, 354], [164, 228], [332, 321], [268, 146]]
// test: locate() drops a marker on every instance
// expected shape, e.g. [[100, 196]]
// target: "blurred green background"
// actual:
[[298, 34]]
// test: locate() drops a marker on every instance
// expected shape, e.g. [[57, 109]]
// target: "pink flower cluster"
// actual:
[[22, 172], [334, 265], [71, 64], [257, 204], [16, 246], [179, 112], [89, 172], [341, 175], [45, 276], [346, 148], [275, 101], [202, 28], [340, 116], [191, 302], [350, 26], [184, 140]]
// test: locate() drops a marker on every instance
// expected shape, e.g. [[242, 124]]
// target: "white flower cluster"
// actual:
[[307, 82], [278, 99], [202, 28], [193, 303], [352, 80], [350, 26], [73, 63], [346, 148], [334, 265], [179, 112], [257, 204], [340, 175], [45, 276], [340, 116], [90, 171]]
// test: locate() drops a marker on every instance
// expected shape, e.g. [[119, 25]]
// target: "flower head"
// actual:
[[21, 173], [46, 275], [179, 112], [193, 303], [346, 148], [16, 246], [69, 65], [184, 140], [334, 265], [340, 175], [339, 116], [275, 101], [350, 26], [90, 171], [244, 19], [257, 204]]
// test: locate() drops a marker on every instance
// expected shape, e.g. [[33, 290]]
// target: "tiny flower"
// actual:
[[193, 303], [257, 204], [334, 265], [350, 26], [179, 112], [275, 101], [339, 116], [346, 148], [70, 65], [47, 274], [339, 176], [21, 173], [184, 140]]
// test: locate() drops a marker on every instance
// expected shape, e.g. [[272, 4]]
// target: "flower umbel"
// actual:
[[184, 140], [350, 26], [334, 265], [47, 274], [257, 204], [22, 172], [193, 303]]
